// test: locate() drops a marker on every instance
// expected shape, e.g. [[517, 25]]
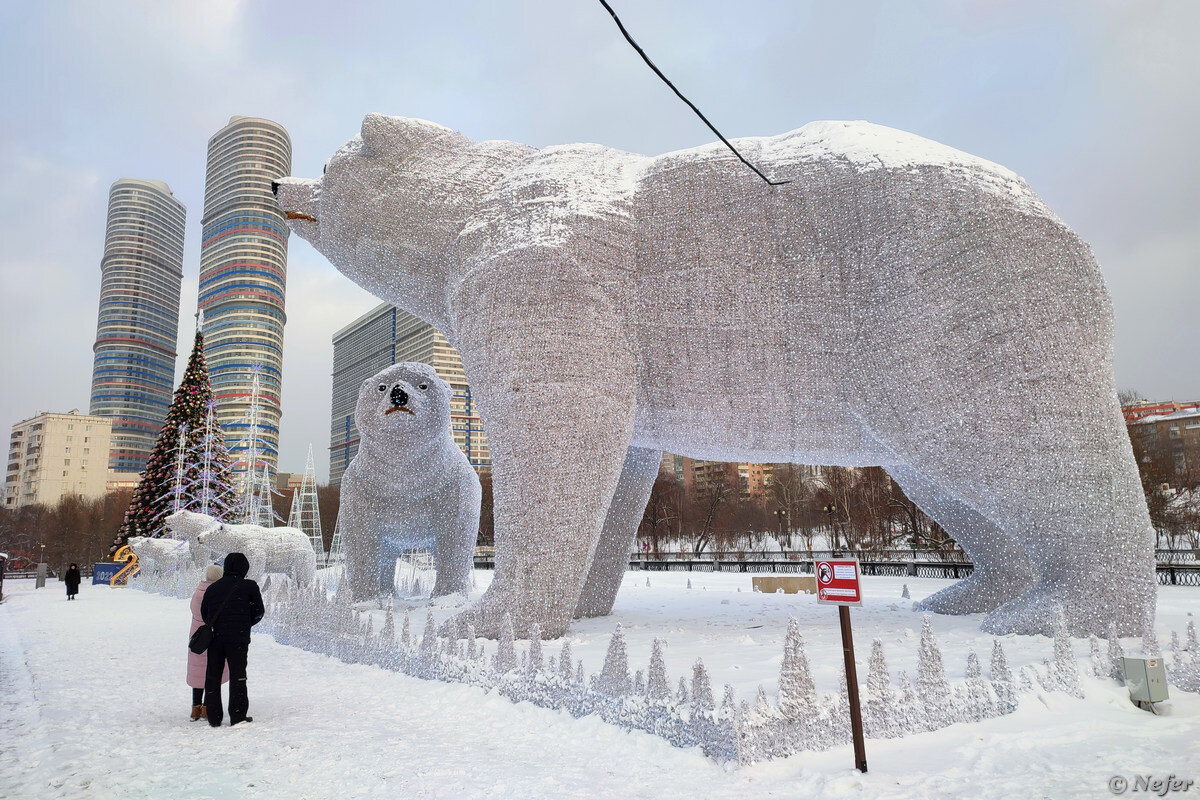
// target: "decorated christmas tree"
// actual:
[[188, 416]]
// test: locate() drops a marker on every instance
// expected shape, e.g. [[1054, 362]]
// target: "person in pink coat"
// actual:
[[197, 664]]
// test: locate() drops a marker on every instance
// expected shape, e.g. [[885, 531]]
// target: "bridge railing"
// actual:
[[1168, 574]]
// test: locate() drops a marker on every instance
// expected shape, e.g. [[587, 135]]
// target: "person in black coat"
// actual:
[[231, 637], [72, 581]]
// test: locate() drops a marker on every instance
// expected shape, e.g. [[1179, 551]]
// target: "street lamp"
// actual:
[[831, 509], [781, 514]]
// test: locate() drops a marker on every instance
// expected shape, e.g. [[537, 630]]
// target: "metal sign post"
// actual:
[[837, 584]]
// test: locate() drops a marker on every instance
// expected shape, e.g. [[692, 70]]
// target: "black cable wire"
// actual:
[[679, 94]]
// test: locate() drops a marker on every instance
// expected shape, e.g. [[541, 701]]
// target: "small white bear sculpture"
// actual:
[[159, 555], [409, 487], [896, 303], [268, 549], [188, 525]]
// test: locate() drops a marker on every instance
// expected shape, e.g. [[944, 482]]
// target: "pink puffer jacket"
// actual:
[[198, 664]]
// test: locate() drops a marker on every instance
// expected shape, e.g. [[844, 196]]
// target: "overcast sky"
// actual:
[[1096, 104]]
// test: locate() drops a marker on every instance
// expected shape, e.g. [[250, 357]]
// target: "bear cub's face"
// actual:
[[403, 403]]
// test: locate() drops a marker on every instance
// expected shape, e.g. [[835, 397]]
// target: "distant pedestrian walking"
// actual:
[[72, 581], [197, 663], [231, 606]]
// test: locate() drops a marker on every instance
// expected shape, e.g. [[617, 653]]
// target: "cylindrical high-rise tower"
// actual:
[[243, 271], [133, 372]]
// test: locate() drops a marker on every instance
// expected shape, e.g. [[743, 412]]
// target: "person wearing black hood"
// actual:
[[231, 606], [72, 581]]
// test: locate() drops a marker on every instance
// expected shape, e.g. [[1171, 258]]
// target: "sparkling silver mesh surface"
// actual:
[[899, 303], [409, 487]]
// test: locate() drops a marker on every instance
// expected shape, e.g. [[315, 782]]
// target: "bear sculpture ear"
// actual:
[[382, 134], [377, 131]]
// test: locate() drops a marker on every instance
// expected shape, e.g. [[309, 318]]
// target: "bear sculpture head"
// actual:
[[401, 408], [390, 205]]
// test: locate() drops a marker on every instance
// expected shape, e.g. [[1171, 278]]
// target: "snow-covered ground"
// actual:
[[93, 705]]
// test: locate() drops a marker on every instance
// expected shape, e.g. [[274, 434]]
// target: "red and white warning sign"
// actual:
[[837, 582]]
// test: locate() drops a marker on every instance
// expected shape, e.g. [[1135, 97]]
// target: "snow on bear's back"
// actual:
[[289, 537], [866, 147]]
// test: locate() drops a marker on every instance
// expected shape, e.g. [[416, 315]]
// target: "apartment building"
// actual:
[[52, 456]]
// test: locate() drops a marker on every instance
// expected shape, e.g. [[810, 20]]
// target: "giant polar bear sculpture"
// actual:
[[898, 303], [409, 486]]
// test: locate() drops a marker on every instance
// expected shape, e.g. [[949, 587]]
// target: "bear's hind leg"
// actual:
[[611, 558], [1068, 491], [1002, 570], [1088, 530]]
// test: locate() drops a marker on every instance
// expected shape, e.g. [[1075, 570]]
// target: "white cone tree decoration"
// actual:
[[797, 694], [614, 676], [305, 515], [535, 663], [657, 686], [1064, 671], [702, 693], [932, 689], [879, 703], [1002, 680], [564, 661], [1116, 654], [979, 703], [506, 651]]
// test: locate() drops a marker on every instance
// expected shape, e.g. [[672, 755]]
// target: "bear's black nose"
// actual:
[[399, 397], [275, 188]]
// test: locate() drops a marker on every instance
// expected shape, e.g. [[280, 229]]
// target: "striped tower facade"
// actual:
[[141, 272], [243, 274]]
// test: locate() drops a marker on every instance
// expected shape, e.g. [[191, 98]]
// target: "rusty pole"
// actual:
[[856, 728]]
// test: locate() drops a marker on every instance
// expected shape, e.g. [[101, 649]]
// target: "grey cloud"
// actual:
[[1094, 103]]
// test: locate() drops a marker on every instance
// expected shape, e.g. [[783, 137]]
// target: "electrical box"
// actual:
[[1146, 679]]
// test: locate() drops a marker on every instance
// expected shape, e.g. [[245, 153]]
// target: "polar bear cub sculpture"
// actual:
[[268, 549], [188, 525], [159, 555], [897, 303], [409, 487]]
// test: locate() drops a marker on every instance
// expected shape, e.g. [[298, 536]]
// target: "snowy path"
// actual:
[[94, 705]]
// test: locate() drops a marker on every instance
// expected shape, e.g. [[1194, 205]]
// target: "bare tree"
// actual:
[[662, 512], [711, 502], [1129, 396], [74, 530], [789, 490]]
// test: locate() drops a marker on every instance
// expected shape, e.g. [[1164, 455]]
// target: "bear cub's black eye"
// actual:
[[423, 387], [382, 387]]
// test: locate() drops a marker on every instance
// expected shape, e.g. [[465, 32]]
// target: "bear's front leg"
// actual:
[[554, 471], [551, 364], [257, 557], [456, 535], [360, 529]]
